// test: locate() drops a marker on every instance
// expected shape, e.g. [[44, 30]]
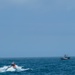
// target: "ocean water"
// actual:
[[40, 66]]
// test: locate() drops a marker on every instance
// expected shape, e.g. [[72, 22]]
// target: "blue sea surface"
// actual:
[[41, 66]]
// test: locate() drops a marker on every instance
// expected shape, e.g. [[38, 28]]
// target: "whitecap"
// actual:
[[11, 69]]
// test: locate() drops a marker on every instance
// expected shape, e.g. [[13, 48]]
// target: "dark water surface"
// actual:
[[41, 66]]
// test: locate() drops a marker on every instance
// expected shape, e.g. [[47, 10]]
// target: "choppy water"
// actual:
[[41, 66]]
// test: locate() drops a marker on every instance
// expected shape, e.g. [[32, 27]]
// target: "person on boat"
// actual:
[[65, 56], [13, 65]]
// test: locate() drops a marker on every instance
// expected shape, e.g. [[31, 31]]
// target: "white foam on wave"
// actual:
[[11, 69]]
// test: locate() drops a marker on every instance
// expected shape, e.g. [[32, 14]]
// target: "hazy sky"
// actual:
[[37, 28]]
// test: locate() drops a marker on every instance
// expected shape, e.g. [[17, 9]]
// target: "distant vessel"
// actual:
[[65, 57]]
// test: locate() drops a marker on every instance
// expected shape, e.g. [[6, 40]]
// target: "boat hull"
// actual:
[[66, 58]]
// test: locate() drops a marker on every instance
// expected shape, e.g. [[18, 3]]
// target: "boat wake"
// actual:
[[11, 69]]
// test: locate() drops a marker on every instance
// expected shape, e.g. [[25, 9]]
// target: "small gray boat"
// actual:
[[65, 57]]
